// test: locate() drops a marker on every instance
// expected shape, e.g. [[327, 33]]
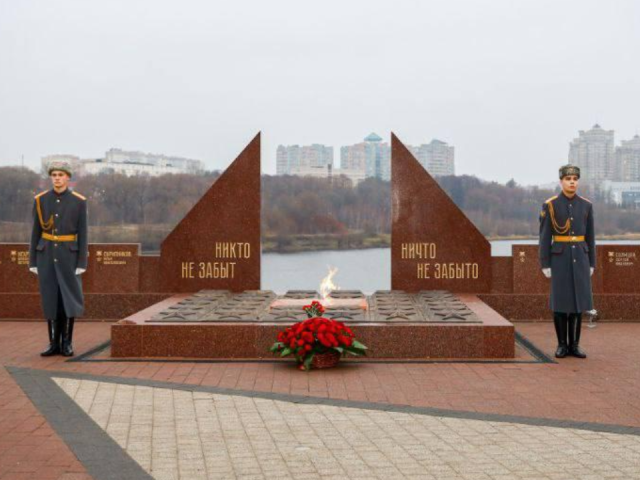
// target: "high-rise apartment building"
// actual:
[[372, 156], [436, 157], [593, 151], [628, 160], [294, 159]]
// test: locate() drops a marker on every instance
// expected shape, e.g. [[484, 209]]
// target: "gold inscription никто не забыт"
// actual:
[[217, 269], [233, 250], [208, 269], [429, 270]]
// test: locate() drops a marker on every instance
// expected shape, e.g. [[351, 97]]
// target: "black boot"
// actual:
[[575, 325], [67, 338], [54, 339], [560, 322]]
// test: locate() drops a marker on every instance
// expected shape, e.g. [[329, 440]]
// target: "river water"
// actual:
[[367, 270]]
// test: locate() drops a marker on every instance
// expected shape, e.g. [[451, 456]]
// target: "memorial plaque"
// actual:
[[217, 244], [434, 246], [14, 269], [621, 268], [112, 268]]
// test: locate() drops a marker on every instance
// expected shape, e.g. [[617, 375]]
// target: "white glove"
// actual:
[[546, 272], [80, 271], [33, 270], [592, 270]]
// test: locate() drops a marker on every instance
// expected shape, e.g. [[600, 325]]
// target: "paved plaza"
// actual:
[[89, 418]]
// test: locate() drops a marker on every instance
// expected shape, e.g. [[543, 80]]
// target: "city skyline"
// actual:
[[600, 159], [593, 149], [507, 83]]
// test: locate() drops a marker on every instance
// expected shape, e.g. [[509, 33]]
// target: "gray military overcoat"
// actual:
[[57, 261], [570, 262]]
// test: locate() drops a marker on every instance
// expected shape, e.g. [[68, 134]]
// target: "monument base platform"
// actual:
[[396, 325]]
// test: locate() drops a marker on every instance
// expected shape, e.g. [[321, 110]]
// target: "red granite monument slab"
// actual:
[[112, 268], [528, 277], [434, 246], [14, 269], [217, 244]]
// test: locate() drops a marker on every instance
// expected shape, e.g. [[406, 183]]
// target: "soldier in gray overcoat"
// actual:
[[58, 255], [568, 256]]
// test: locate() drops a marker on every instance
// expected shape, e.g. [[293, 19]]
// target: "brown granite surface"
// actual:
[[149, 276], [217, 244], [501, 274], [97, 305], [138, 336], [434, 246]]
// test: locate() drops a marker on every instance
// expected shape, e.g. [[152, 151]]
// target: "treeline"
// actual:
[[292, 206]]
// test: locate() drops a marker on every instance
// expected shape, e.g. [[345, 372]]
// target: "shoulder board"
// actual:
[[40, 194], [586, 199], [551, 199], [73, 192]]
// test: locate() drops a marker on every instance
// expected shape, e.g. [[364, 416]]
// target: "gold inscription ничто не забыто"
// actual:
[[428, 270]]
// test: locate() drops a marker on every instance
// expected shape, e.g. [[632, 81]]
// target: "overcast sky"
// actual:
[[508, 83]]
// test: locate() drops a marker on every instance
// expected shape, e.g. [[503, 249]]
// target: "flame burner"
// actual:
[[336, 300]]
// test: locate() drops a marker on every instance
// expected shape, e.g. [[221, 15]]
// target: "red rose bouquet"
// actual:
[[317, 338]]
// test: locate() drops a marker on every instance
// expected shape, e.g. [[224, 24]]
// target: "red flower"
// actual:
[[300, 339], [331, 339], [324, 340]]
